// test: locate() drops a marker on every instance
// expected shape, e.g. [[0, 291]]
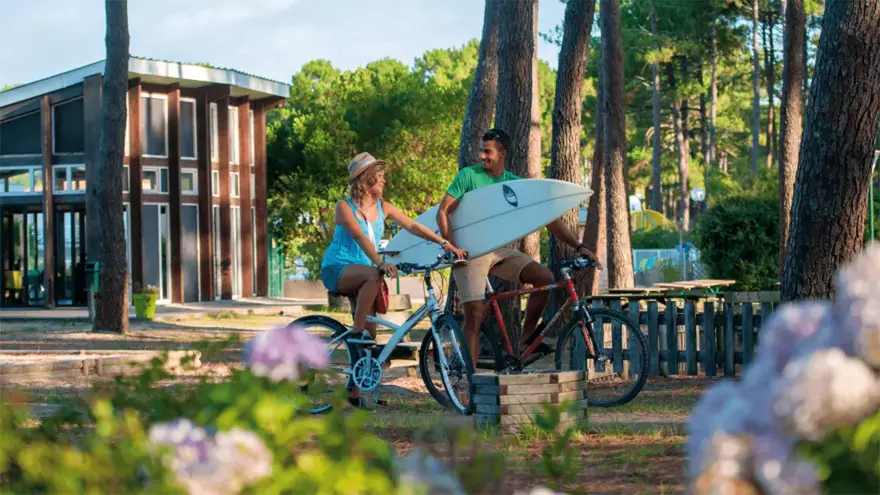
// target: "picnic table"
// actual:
[[663, 291]]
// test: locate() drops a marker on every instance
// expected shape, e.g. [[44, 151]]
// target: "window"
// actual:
[[215, 183], [17, 181], [126, 179], [188, 128], [215, 136], [234, 185], [189, 183], [68, 127], [251, 118], [154, 125], [253, 186], [233, 135], [21, 135], [69, 178], [155, 180]]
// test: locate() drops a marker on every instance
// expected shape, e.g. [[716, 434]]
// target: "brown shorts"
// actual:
[[504, 263]]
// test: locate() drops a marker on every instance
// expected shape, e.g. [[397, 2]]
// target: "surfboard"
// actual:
[[491, 217]]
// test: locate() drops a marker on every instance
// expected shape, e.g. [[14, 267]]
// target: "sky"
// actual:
[[268, 38]]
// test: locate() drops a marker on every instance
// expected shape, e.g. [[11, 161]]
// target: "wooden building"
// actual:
[[194, 183]]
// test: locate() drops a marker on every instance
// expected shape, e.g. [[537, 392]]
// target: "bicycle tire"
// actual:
[[335, 328], [463, 354], [642, 350], [487, 342]]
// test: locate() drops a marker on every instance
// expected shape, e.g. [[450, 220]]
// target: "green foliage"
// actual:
[[8, 86], [658, 238], [559, 462], [876, 207], [738, 238], [848, 459]]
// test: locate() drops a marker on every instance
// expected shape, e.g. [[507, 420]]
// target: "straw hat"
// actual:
[[361, 163]]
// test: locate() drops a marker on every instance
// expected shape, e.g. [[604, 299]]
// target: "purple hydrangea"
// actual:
[[218, 464], [858, 306], [283, 353], [789, 328]]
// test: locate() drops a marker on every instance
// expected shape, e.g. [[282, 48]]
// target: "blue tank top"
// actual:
[[344, 250]]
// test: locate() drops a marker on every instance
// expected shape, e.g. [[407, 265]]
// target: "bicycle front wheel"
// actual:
[[451, 356], [618, 369]]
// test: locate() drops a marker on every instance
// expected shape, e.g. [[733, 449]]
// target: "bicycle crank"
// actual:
[[367, 373]]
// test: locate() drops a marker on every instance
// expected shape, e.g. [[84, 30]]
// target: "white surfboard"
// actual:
[[491, 217]]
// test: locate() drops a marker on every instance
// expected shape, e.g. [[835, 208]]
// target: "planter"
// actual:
[[145, 305]]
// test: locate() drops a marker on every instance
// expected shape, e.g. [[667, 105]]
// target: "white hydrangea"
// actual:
[[421, 471], [823, 391], [725, 465], [858, 305]]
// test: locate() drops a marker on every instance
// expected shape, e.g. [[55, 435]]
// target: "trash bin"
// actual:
[[93, 269]]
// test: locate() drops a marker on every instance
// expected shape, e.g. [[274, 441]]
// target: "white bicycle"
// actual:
[[357, 361]]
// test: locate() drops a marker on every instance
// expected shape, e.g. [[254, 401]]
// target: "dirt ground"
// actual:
[[636, 448]]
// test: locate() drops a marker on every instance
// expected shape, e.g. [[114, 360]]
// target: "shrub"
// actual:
[[658, 238], [805, 418], [738, 239]]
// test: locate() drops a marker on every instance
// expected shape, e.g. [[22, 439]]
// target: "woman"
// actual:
[[351, 264]]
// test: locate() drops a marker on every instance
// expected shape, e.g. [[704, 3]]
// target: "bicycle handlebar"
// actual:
[[408, 268], [580, 263]]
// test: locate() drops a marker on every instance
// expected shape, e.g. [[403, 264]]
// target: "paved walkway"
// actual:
[[257, 305]]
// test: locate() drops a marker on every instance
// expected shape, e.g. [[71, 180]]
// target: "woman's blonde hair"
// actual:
[[357, 188]]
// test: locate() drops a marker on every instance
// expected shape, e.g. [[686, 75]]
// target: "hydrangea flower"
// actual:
[[790, 327], [283, 353], [212, 464], [824, 391], [858, 306], [424, 471]]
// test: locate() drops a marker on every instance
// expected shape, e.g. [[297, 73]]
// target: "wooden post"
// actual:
[[174, 209], [616, 340], [690, 330], [672, 338], [748, 334], [244, 170], [136, 195], [710, 365], [225, 206], [48, 205], [599, 330], [729, 345], [653, 337], [634, 357]]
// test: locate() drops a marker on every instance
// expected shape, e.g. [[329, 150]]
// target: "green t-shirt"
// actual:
[[475, 177]]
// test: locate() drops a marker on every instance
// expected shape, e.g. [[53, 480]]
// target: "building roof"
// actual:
[[157, 72]]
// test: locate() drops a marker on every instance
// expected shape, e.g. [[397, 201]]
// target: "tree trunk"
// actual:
[[790, 117], [713, 104], [657, 193], [532, 242], [756, 85], [770, 68], [837, 150], [595, 230], [679, 123], [481, 101], [516, 45], [620, 266], [111, 302], [565, 150], [704, 126]]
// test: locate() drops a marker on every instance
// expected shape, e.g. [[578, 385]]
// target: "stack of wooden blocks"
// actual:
[[511, 401]]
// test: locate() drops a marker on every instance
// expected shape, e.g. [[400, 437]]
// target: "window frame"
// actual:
[[144, 137], [234, 135], [215, 133], [234, 185], [31, 169], [20, 155], [159, 180], [68, 178], [195, 181], [215, 192], [52, 125], [195, 129]]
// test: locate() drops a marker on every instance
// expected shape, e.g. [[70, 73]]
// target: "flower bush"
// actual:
[[805, 418]]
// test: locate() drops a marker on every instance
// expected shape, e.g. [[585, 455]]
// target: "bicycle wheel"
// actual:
[[319, 388], [490, 358], [454, 363], [617, 372]]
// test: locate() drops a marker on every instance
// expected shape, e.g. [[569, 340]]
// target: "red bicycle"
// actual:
[[616, 362]]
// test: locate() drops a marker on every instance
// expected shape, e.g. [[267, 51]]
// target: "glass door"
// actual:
[[70, 258]]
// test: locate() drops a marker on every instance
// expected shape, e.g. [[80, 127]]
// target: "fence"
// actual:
[[695, 338]]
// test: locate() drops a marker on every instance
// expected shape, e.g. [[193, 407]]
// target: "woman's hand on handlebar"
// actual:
[[388, 269]]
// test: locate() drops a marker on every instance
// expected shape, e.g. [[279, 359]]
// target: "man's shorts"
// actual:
[[503, 263]]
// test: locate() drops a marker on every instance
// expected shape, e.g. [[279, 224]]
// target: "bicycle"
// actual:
[[365, 371], [578, 344]]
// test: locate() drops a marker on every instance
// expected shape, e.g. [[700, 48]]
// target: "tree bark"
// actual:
[[516, 46], [532, 242], [837, 150], [704, 126], [679, 123], [756, 85], [713, 104], [790, 117], [770, 71], [596, 230], [111, 302], [481, 101], [620, 266], [565, 150], [657, 193]]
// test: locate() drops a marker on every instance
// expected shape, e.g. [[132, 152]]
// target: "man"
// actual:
[[509, 264]]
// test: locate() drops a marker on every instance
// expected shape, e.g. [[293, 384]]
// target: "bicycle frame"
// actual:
[[568, 285]]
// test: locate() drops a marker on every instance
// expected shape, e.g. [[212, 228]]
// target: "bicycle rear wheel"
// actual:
[[451, 357], [618, 370], [319, 388]]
